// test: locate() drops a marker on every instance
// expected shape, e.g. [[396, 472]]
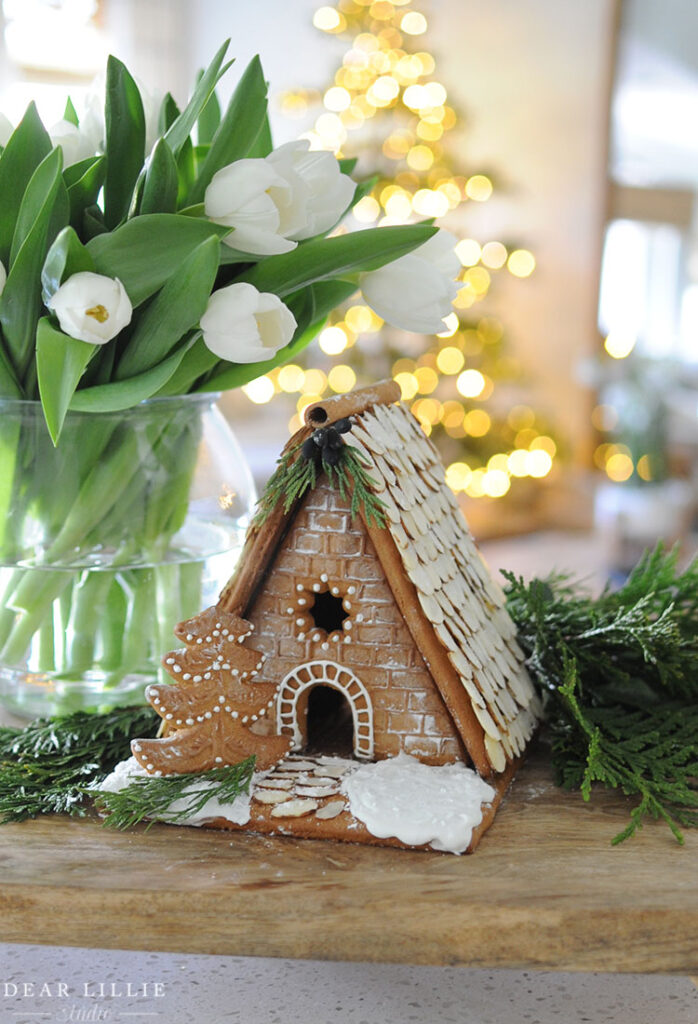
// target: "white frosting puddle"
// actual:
[[418, 803], [237, 812]]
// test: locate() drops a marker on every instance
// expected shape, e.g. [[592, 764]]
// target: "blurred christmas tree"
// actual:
[[386, 107]]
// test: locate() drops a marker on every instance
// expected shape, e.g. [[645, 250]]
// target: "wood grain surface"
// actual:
[[545, 889]]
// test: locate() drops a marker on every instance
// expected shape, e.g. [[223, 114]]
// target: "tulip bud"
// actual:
[[416, 292], [91, 307], [244, 325]]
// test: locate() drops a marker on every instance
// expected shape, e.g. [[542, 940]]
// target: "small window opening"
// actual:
[[328, 612], [330, 725]]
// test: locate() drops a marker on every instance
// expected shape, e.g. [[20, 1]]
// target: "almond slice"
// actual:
[[330, 810], [269, 796], [294, 808]]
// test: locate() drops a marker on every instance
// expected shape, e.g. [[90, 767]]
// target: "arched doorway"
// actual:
[[301, 680]]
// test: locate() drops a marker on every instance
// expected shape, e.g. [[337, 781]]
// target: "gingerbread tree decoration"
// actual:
[[208, 713]]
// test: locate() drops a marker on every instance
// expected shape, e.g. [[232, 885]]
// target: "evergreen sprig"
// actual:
[[294, 475], [619, 675], [52, 765], [151, 797]]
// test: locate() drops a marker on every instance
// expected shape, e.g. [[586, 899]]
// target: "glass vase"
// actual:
[[132, 524]]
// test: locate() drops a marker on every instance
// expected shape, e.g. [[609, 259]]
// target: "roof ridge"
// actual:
[[337, 407]]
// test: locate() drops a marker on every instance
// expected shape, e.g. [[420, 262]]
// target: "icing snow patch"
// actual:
[[418, 803], [237, 812]]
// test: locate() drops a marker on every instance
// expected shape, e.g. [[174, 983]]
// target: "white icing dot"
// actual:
[[207, 675], [199, 718], [335, 638], [176, 668], [208, 715], [348, 624], [225, 632], [301, 636], [236, 672], [215, 708], [250, 630], [233, 714], [169, 661], [156, 700], [187, 675], [289, 611], [254, 718], [359, 617], [299, 586], [219, 760], [316, 587], [199, 640], [221, 700], [347, 639], [190, 636], [269, 703], [245, 719], [197, 679], [226, 664], [190, 721], [168, 717], [179, 721], [316, 636], [136, 746], [208, 639], [150, 767], [351, 590], [218, 625], [299, 622], [325, 647], [158, 772], [302, 601], [335, 590], [323, 577]]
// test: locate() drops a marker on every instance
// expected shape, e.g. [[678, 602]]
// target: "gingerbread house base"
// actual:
[[331, 817]]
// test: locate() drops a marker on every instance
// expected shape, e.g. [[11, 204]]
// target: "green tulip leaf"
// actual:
[[181, 128], [145, 252], [70, 114], [28, 145], [9, 385], [169, 112], [66, 256], [239, 127], [348, 165], [209, 118], [177, 307], [161, 181], [125, 141], [186, 171], [60, 363], [197, 363], [124, 394], [263, 144], [319, 259], [19, 304], [84, 181]]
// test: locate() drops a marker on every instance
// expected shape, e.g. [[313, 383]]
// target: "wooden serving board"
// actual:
[[545, 889]]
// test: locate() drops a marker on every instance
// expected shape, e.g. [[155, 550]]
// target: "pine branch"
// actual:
[[51, 765], [619, 676], [294, 475], [151, 797]]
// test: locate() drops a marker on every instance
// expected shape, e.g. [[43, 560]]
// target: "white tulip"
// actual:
[[250, 197], [317, 183], [76, 145], [6, 130], [416, 291], [3, 278], [274, 202], [244, 325], [91, 307]]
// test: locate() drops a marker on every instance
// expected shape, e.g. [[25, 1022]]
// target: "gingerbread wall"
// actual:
[[375, 644]]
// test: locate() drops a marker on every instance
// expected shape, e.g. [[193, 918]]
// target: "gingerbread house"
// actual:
[[375, 638]]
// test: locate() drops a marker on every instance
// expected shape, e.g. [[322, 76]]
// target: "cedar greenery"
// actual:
[[150, 797], [294, 475], [51, 766], [619, 675]]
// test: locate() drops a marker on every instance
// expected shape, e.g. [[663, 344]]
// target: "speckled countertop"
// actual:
[[217, 990]]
